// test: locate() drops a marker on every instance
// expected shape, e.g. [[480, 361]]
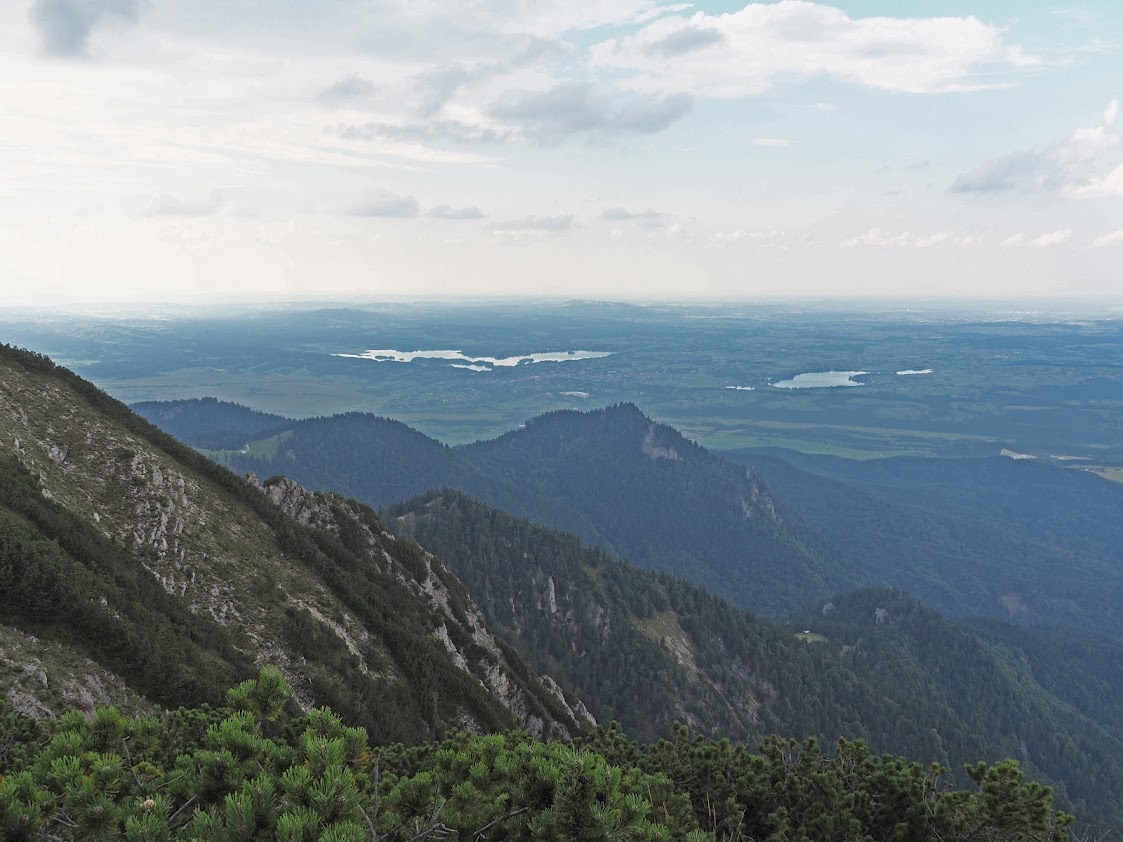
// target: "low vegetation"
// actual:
[[255, 769]]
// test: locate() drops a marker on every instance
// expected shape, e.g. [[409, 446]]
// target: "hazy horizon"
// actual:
[[207, 305], [626, 149]]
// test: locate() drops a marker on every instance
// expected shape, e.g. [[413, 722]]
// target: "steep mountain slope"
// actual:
[[612, 476], [210, 423], [640, 489], [993, 690], [616, 635], [646, 650], [1081, 668], [174, 576], [996, 537]]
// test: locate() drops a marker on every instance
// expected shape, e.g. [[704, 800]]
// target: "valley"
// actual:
[[773, 591], [628, 421], [1042, 383]]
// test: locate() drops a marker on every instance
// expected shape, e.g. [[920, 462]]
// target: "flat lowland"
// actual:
[[937, 382]]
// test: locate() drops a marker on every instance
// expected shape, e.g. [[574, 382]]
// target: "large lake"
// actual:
[[821, 380], [474, 363]]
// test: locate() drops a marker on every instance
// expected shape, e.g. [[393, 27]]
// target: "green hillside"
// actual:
[[613, 477], [173, 577], [1021, 540], [648, 650]]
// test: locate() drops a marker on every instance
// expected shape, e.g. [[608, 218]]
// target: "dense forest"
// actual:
[[255, 768], [612, 477], [1012, 539], [212, 424], [637, 646], [647, 650], [65, 579]]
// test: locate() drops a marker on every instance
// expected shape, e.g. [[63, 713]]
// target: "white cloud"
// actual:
[[880, 239], [383, 203], [65, 26], [932, 240], [1054, 238], [745, 52], [1111, 112], [448, 212], [650, 217], [572, 108], [1072, 167], [726, 238], [528, 224], [1014, 240], [1112, 239], [173, 206], [347, 90], [1110, 185], [772, 142]]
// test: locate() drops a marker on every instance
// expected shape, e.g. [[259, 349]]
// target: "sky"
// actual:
[[166, 149]]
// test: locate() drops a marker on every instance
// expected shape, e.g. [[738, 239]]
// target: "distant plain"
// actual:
[[1049, 386]]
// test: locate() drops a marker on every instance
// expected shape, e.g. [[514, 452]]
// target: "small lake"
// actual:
[[821, 380]]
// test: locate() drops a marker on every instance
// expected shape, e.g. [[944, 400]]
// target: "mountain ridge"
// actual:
[[343, 608], [648, 650], [688, 512]]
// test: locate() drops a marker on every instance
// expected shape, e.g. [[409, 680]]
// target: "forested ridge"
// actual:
[[648, 650], [1021, 540], [1011, 539], [613, 477], [992, 691], [381, 631], [211, 423], [255, 768], [373, 626]]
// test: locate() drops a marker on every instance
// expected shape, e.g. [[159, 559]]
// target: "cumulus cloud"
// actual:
[[347, 89], [1112, 239], [1048, 240], [173, 206], [1111, 112], [389, 205], [1028, 170], [644, 217], [1053, 238], [1074, 166], [65, 26], [452, 130], [727, 238], [685, 40], [1110, 185], [559, 222], [573, 108], [932, 240], [745, 52], [881, 239], [448, 212], [440, 85]]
